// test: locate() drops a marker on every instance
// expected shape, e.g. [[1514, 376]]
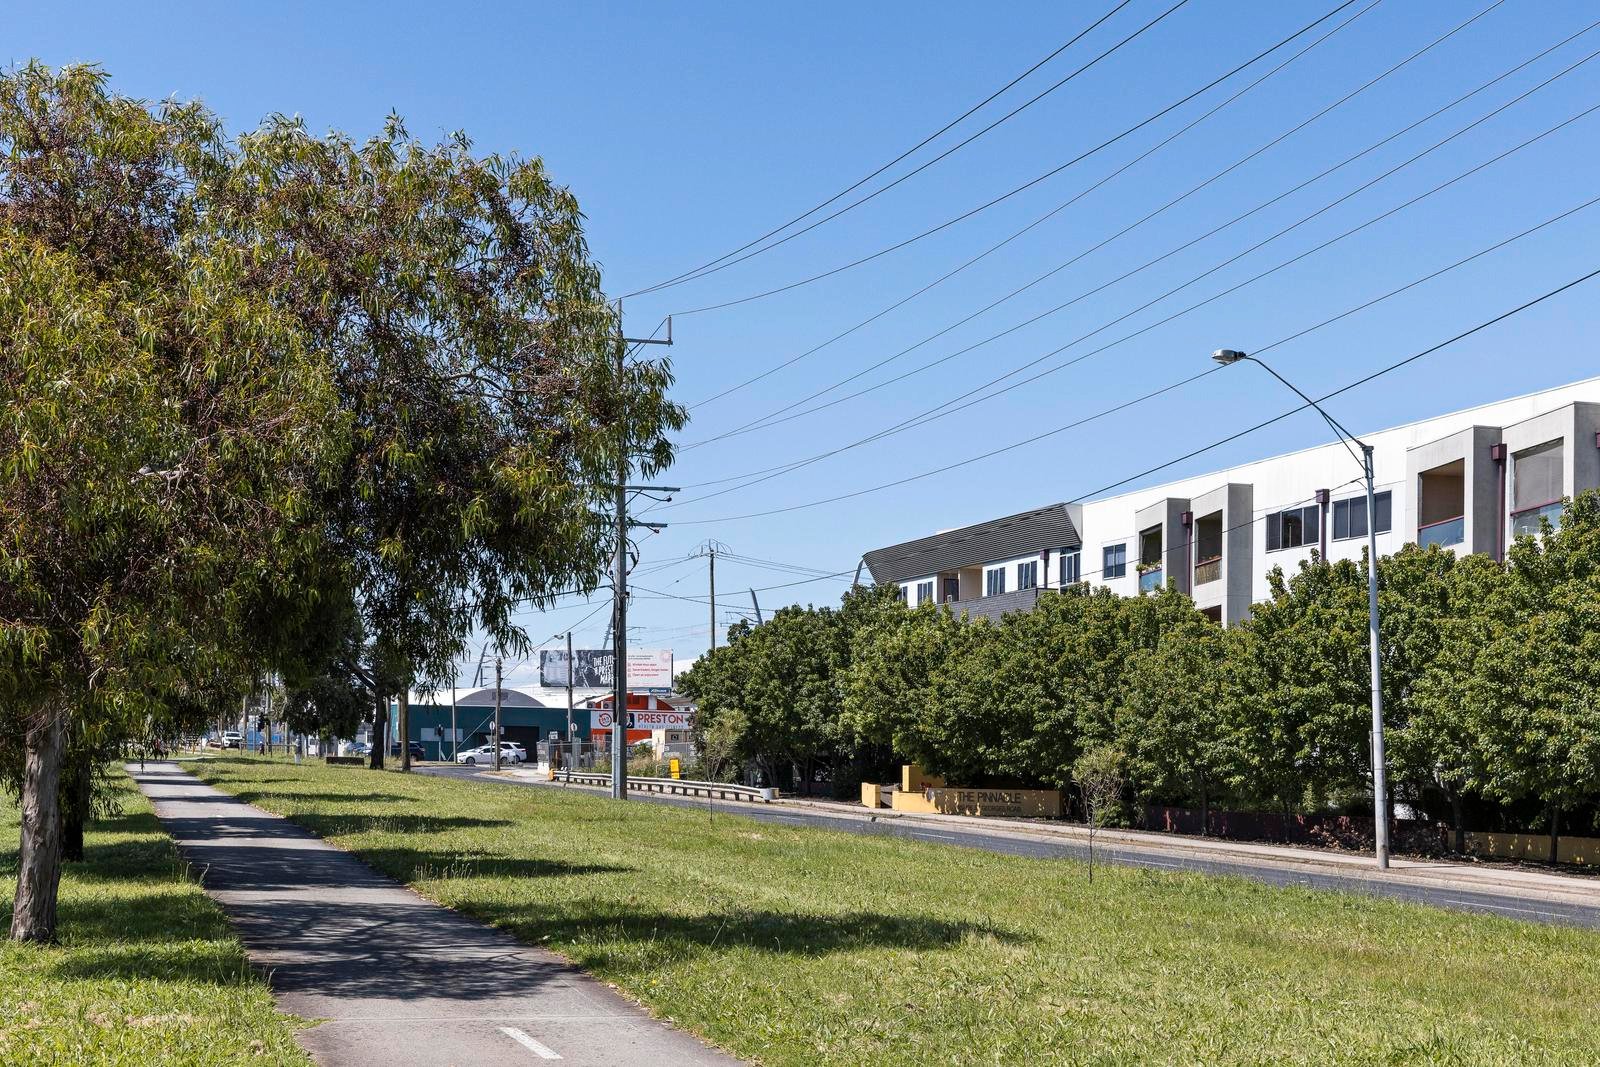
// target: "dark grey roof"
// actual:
[[1008, 538]]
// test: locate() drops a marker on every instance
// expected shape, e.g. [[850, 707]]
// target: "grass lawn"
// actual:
[[800, 946], [147, 971]]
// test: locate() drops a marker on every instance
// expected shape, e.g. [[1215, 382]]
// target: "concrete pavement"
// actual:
[[400, 981]]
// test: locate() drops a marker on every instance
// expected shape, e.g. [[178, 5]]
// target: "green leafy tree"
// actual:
[[164, 429], [888, 685], [475, 359], [1179, 717], [1307, 676], [1532, 692]]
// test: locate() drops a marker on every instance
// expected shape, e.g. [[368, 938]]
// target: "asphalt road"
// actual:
[[399, 981], [1508, 904]]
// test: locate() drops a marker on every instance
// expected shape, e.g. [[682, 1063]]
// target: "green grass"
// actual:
[[798, 946], [147, 970]]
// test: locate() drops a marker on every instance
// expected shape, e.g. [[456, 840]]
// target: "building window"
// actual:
[[952, 590], [1028, 574], [994, 582], [1537, 475], [1293, 528], [1115, 564], [1350, 516], [924, 593], [1071, 567]]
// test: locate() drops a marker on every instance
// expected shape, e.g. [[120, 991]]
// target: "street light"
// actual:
[[1229, 356]]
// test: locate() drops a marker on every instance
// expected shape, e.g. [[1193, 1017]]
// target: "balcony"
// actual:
[[1444, 534], [994, 607], [1526, 523], [1208, 570], [1150, 580]]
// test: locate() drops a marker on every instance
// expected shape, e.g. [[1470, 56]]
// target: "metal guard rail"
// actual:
[[674, 786]]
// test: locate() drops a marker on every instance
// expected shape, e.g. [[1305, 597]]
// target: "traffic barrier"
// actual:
[[675, 787]]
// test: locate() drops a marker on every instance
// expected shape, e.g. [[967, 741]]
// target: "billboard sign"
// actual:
[[593, 668], [665, 719]]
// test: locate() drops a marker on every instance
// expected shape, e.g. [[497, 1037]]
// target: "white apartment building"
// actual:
[[1470, 481]]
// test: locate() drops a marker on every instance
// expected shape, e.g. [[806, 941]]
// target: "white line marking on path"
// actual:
[[544, 1052]]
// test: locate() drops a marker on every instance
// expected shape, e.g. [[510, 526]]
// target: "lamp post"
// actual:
[[1380, 808]]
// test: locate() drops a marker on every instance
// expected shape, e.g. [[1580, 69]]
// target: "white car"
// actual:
[[510, 752]]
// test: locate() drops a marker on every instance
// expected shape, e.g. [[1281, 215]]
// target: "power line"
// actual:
[[1021, 188], [1052, 213], [711, 267], [772, 418], [955, 404], [1131, 403]]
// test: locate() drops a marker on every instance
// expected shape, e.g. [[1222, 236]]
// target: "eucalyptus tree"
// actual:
[[164, 427], [475, 360]]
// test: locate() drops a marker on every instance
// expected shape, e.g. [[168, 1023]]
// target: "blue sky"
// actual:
[[687, 130]]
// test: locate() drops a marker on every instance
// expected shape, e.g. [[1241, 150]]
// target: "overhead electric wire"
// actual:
[[1343, 388], [1130, 403], [1073, 200], [1021, 188], [962, 401], [704, 268], [777, 416]]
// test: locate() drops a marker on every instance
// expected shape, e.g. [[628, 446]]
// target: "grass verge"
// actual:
[[147, 971], [801, 946]]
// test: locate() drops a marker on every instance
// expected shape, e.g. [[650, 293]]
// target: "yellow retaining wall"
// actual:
[[913, 780], [1534, 847], [871, 795]]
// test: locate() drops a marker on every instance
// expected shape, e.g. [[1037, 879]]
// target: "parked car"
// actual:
[[232, 739], [474, 756], [513, 751], [354, 748], [414, 746]]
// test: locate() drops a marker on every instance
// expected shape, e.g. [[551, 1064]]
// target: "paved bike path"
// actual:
[[399, 980]]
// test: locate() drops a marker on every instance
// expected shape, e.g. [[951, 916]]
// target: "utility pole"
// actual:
[[619, 588], [572, 742], [455, 743], [619, 585], [712, 572], [497, 664]]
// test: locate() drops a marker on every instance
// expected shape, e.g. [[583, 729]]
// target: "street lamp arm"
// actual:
[[1338, 427]]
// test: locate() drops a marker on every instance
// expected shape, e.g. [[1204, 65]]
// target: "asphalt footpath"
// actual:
[[396, 980]]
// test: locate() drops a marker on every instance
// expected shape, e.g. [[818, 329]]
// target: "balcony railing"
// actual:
[[1444, 534], [1527, 522], [1150, 580], [1208, 570]]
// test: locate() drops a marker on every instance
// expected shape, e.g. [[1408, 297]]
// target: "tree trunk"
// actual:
[[1458, 822], [76, 811], [1555, 833], [405, 730], [380, 731], [33, 917], [1205, 811]]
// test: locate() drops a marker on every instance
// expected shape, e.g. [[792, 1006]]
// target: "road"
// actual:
[[1504, 902], [399, 981]]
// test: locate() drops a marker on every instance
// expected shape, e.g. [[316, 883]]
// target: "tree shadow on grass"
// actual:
[[782, 933]]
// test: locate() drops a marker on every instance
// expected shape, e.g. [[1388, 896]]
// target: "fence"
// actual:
[[676, 787]]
